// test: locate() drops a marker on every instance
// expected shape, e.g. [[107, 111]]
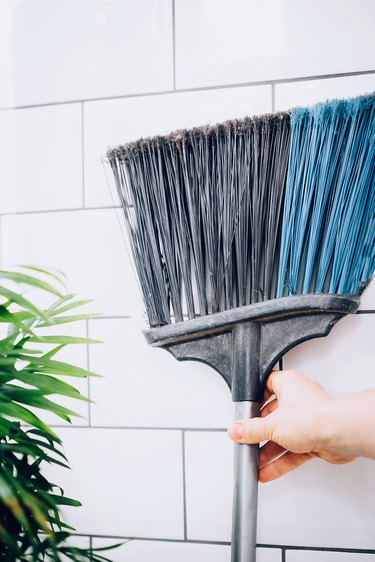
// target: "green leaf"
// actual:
[[63, 299], [10, 499], [24, 303], [42, 365], [53, 352], [68, 319], [64, 340], [35, 399], [7, 361], [48, 272], [16, 351], [12, 318], [59, 310], [29, 280], [63, 500], [50, 385], [52, 438], [20, 413]]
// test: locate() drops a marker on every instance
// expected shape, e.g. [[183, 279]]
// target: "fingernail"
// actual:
[[236, 430]]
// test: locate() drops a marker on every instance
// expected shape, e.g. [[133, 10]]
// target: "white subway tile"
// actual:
[[113, 122], [41, 158], [368, 297], [268, 555], [7, 47], [129, 482], [219, 42], [145, 551], [343, 361], [86, 245], [318, 505], [309, 92], [147, 387], [82, 49], [321, 505], [316, 556], [209, 485]]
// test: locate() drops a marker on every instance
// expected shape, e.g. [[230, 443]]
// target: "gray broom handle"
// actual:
[[245, 495]]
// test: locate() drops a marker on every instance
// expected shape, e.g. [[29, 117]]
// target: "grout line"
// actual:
[[141, 428], [273, 97], [365, 312], [112, 318], [328, 549], [153, 539], [83, 153], [90, 544], [73, 209], [88, 378], [283, 555], [184, 482], [174, 42], [284, 548], [197, 89]]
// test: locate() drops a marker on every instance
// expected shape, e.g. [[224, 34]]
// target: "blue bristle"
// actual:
[[328, 236]]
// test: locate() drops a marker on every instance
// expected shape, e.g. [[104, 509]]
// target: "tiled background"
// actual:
[[151, 460]]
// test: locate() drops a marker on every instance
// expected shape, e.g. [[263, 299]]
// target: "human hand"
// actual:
[[300, 423]]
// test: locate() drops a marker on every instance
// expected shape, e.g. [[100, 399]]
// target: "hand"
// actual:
[[295, 420]]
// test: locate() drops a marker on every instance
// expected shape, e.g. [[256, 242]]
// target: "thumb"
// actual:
[[250, 431]]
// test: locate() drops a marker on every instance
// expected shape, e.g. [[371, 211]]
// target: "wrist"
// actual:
[[348, 426]]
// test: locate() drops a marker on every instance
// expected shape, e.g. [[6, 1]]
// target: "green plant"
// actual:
[[31, 525]]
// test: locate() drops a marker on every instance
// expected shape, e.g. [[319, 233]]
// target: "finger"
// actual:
[[269, 452], [273, 382], [267, 395], [282, 465], [250, 431], [269, 408]]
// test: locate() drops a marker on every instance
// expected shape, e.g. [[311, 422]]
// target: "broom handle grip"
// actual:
[[245, 495]]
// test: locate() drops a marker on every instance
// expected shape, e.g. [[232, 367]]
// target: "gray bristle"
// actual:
[[203, 209]]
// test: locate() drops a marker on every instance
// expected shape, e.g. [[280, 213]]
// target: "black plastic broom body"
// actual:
[[249, 238]]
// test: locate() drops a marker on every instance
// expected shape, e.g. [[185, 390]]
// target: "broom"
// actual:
[[250, 237]]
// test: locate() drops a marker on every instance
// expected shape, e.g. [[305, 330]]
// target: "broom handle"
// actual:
[[245, 495]]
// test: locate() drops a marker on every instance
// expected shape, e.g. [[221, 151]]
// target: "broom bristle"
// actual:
[[204, 212], [225, 216], [328, 238]]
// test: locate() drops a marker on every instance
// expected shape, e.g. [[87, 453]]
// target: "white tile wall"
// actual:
[[41, 164], [130, 482], [87, 49], [113, 122], [144, 386], [341, 361], [309, 92], [209, 485], [320, 505], [268, 555], [221, 42], [87, 245], [6, 51], [368, 297], [314, 505], [141, 551], [314, 556]]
